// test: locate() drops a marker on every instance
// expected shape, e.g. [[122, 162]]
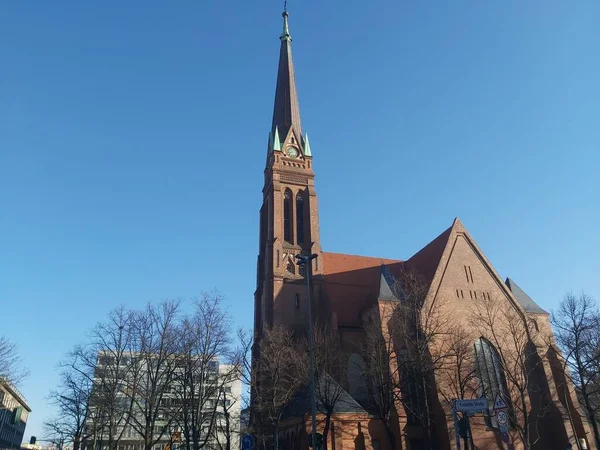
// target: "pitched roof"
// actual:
[[427, 260], [525, 300], [286, 111], [330, 389], [387, 285], [350, 282]]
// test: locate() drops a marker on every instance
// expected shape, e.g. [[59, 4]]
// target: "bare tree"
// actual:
[[329, 366], [274, 379], [506, 328], [11, 363], [154, 360], [381, 372], [576, 325], [72, 400], [225, 429], [457, 370], [57, 432], [106, 362], [457, 375], [205, 342], [406, 343], [422, 328]]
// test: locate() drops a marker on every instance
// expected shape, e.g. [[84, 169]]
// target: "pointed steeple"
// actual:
[[286, 112], [307, 151]]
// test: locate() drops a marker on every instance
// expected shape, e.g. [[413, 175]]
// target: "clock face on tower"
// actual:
[[292, 152]]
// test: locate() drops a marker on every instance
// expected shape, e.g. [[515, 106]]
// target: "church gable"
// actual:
[[465, 276]]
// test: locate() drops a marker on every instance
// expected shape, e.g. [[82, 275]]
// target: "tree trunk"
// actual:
[[526, 436], [148, 438], [227, 431], [326, 430], [592, 419], [390, 434], [276, 436], [427, 420], [196, 438], [186, 432]]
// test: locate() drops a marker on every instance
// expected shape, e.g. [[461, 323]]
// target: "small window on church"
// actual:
[[297, 301], [287, 216], [290, 267], [300, 218], [533, 325]]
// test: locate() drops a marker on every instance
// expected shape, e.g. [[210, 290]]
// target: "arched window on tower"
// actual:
[[287, 216], [492, 381], [300, 217]]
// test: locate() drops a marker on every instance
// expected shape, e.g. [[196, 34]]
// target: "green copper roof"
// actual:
[[307, 151], [276, 141], [285, 36]]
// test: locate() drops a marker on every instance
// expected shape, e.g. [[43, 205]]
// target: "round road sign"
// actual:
[[248, 442], [502, 418]]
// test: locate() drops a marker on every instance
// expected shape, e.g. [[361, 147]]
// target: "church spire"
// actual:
[[286, 112]]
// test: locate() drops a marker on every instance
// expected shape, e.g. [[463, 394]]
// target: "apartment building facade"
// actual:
[[14, 413], [196, 400]]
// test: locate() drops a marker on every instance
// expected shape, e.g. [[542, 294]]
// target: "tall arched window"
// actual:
[[287, 216], [300, 217], [492, 381]]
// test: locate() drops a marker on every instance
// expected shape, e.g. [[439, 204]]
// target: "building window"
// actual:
[[290, 268], [287, 216], [297, 301], [492, 382], [300, 218]]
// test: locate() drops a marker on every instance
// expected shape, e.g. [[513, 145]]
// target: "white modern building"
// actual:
[[217, 413], [14, 412]]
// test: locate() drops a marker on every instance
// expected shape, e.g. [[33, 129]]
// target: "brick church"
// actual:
[[458, 278]]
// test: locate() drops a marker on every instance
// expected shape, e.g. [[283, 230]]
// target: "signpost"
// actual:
[[502, 418], [471, 406], [468, 408], [248, 442], [499, 403], [500, 408]]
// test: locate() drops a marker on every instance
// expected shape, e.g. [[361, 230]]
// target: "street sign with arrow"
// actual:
[[248, 442]]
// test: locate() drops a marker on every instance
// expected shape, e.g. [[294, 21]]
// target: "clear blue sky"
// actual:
[[133, 138]]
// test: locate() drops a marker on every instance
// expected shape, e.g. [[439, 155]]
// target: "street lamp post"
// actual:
[[306, 260]]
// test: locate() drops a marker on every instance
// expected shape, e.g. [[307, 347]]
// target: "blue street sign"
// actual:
[[248, 442], [471, 406]]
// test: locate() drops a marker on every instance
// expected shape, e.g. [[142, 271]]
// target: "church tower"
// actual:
[[289, 220]]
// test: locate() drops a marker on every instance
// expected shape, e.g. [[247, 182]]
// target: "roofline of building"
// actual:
[[12, 390]]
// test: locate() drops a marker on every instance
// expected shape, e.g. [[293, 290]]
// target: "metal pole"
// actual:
[[307, 261], [456, 431]]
